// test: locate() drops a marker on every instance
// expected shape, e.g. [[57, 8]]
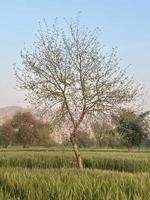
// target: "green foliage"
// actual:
[[6, 134], [23, 129], [24, 126], [132, 127]]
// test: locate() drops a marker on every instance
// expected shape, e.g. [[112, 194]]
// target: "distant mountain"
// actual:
[[8, 112]]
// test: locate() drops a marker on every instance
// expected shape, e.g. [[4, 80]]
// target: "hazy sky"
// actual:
[[125, 24]]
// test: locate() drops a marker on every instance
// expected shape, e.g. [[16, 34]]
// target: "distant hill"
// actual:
[[8, 112]]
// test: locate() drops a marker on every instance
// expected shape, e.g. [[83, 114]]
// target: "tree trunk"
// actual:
[[77, 153]]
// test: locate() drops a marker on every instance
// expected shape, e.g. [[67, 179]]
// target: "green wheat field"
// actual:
[[51, 174]]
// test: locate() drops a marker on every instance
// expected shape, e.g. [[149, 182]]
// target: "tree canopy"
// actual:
[[67, 71], [132, 127]]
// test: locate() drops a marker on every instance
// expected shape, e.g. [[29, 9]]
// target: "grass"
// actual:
[[58, 149], [118, 161], [40, 174], [71, 184]]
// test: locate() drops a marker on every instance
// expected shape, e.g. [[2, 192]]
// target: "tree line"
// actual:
[[125, 129], [23, 129]]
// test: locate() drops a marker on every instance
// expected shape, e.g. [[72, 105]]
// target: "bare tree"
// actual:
[[68, 72]]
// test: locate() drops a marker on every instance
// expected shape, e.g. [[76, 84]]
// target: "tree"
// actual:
[[6, 134], [98, 130], [44, 131], [68, 72], [132, 127], [84, 140], [104, 133], [25, 128], [101, 130]]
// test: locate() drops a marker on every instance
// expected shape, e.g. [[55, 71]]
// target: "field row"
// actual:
[[119, 161], [58, 149]]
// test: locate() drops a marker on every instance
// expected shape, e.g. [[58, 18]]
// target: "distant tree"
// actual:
[[84, 140], [111, 138], [6, 134], [98, 130], [25, 128], [69, 72], [104, 133], [132, 127], [44, 132]]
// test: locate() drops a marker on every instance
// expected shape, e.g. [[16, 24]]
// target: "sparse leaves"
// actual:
[[71, 73], [67, 70]]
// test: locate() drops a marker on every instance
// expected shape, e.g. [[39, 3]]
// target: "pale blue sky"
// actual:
[[124, 24]]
